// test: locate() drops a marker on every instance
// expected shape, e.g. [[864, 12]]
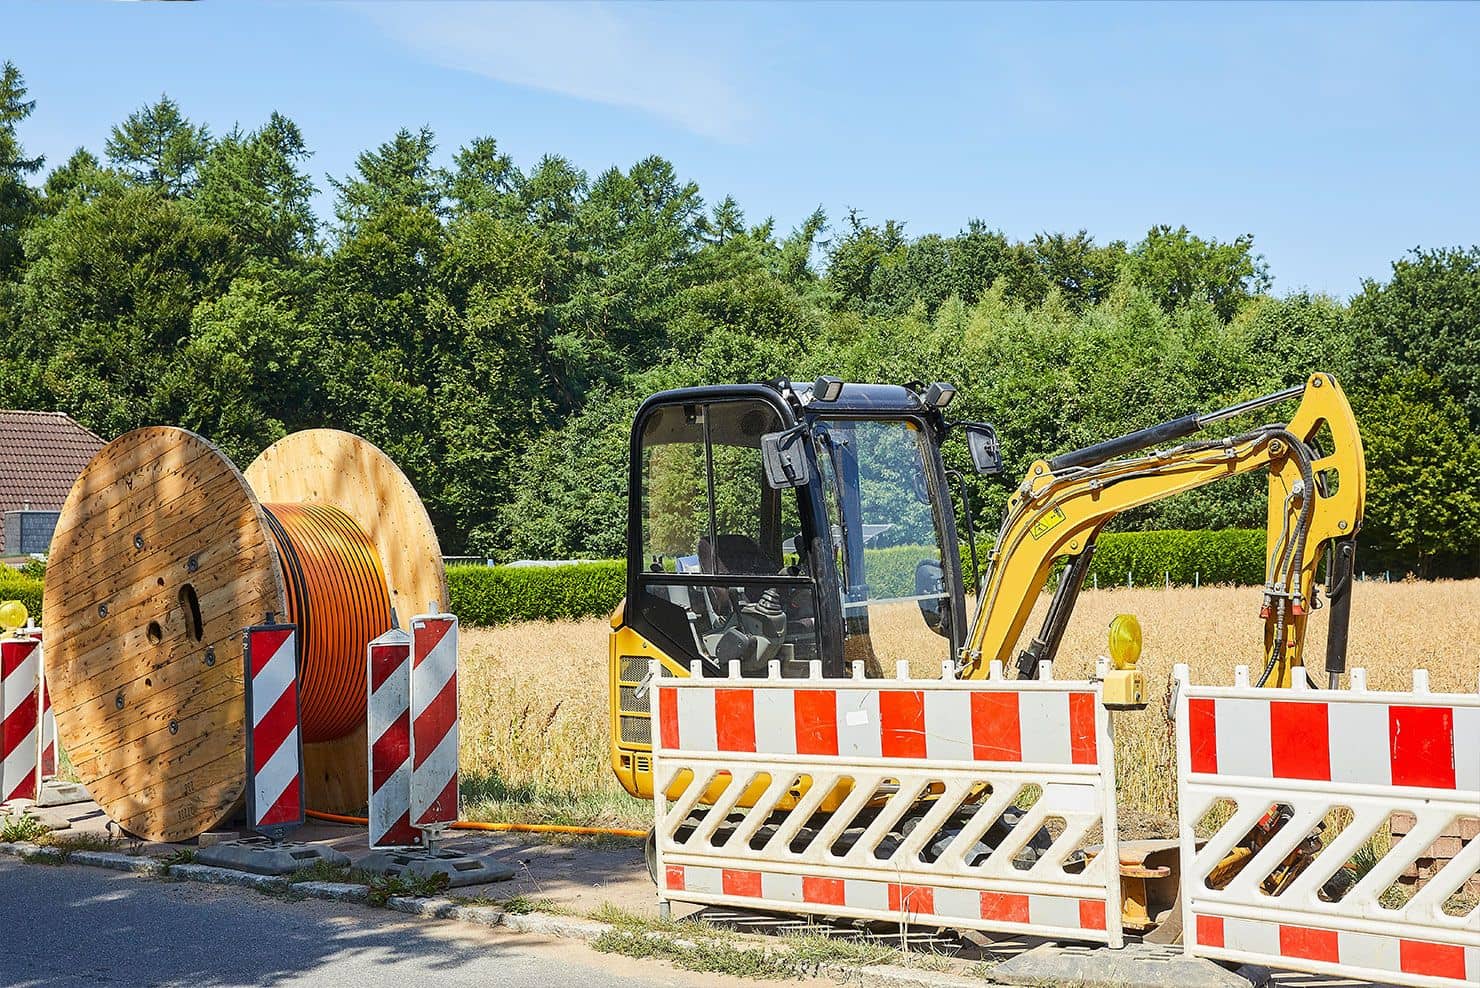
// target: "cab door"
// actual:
[[721, 565]]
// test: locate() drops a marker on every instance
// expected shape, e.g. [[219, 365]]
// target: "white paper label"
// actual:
[[855, 718]]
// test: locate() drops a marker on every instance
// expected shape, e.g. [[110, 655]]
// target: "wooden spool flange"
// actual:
[[160, 559]]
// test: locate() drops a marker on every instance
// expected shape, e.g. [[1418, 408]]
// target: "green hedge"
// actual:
[[486, 595], [1234, 555], [15, 585]]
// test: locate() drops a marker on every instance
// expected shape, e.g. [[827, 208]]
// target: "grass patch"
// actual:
[[696, 946], [21, 829], [517, 905], [706, 955], [323, 871], [184, 855], [67, 844], [383, 888], [489, 797]]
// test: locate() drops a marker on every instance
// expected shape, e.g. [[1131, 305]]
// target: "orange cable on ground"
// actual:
[[530, 828]]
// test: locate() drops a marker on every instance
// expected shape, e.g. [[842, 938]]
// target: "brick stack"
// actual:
[[1439, 853]]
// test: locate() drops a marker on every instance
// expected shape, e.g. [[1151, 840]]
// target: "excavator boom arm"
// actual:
[[1317, 485]]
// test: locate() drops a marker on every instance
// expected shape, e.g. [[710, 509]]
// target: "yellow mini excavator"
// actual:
[[804, 523]]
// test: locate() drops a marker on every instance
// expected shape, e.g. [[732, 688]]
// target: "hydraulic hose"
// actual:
[[1296, 547]]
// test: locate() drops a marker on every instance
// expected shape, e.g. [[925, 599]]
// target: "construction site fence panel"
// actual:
[[1301, 772], [982, 804]]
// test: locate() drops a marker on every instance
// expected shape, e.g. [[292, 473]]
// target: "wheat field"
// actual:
[[534, 696]]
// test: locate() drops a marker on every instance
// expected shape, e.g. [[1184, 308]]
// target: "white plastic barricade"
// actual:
[[1320, 773], [932, 802]]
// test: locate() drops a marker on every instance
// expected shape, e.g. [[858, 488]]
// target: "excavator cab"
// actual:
[[787, 524]]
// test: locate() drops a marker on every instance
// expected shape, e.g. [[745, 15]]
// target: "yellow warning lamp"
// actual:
[[13, 616], [1125, 685]]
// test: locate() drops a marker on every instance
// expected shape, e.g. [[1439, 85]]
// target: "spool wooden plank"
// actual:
[[152, 586], [326, 466]]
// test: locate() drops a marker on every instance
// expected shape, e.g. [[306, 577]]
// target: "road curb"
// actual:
[[441, 908]]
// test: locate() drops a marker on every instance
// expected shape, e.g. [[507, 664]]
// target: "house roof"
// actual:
[[41, 454]]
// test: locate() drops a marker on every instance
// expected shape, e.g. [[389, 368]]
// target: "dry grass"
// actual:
[[534, 698]]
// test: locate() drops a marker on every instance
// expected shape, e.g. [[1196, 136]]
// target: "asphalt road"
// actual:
[[74, 926]]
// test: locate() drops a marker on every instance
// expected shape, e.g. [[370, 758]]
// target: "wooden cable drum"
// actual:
[[163, 554]]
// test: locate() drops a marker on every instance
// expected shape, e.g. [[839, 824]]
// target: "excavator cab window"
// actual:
[[884, 509], [723, 577]]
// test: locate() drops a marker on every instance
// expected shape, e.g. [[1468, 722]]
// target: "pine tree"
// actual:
[[18, 201], [157, 145]]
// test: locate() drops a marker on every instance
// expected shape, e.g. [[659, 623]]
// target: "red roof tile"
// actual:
[[41, 454]]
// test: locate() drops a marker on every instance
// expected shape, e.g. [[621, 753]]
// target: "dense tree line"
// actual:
[[493, 326]]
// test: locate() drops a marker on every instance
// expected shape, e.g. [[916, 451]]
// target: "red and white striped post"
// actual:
[[434, 734], [20, 729], [274, 744], [388, 727]]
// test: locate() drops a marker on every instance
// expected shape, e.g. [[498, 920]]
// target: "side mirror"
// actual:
[[785, 457], [986, 455]]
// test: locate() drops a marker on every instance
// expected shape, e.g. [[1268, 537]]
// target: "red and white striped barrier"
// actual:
[[434, 734], [1317, 756], [1045, 728], [900, 800], [275, 798], [20, 721], [388, 727]]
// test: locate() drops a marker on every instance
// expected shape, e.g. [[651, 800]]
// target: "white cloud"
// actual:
[[587, 51]]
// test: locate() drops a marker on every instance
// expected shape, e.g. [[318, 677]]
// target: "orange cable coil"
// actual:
[[336, 589]]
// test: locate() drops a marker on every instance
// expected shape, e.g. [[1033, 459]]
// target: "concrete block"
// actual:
[[260, 856], [1137, 965], [460, 869], [55, 792]]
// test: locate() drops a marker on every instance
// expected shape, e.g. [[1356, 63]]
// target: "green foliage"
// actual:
[[20, 829], [493, 327], [487, 595], [158, 146], [1176, 267], [383, 888], [18, 201], [15, 585], [1424, 318], [1230, 556], [1423, 459]]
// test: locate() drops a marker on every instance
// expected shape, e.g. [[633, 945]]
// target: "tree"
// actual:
[[1427, 317], [1423, 508], [156, 145], [1176, 266], [18, 202], [484, 179], [107, 302], [253, 184], [399, 173]]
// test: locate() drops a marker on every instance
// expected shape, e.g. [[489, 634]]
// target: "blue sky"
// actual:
[[1339, 135]]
